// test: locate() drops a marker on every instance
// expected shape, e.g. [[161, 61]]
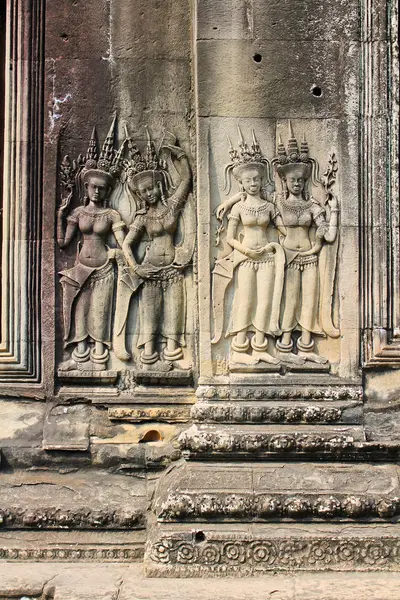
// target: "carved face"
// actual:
[[251, 182], [149, 191], [97, 189], [295, 181]]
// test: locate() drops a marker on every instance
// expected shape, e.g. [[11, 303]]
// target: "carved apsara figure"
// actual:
[[88, 287], [258, 262], [309, 239], [159, 276]]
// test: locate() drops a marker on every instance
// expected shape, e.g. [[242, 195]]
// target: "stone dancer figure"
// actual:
[[162, 297], [259, 263], [310, 263], [88, 287]]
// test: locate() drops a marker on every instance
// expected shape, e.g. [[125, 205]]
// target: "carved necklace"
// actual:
[[297, 208], [93, 215], [254, 209], [158, 213]]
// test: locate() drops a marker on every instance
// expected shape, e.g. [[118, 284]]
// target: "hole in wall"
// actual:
[[199, 536], [257, 58], [151, 436], [64, 37], [316, 91]]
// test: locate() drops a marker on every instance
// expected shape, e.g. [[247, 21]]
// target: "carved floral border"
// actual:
[[314, 553]]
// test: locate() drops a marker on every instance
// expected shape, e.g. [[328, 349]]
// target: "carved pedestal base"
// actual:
[[174, 377], [84, 377]]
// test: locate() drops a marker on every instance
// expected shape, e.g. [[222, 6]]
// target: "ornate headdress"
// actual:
[[149, 163], [290, 157], [244, 158], [107, 165]]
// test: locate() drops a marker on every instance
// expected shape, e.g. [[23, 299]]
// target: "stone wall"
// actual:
[[200, 300]]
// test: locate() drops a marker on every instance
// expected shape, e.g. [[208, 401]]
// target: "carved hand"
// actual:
[[269, 248], [333, 203], [146, 271], [254, 254]]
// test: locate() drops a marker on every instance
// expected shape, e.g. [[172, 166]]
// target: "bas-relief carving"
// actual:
[[284, 286], [99, 290]]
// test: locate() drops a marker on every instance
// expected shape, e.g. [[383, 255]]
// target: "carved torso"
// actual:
[[297, 219], [94, 226], [255, 220], [160, 225]]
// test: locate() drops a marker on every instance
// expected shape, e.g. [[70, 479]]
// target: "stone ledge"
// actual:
[[229, 550]]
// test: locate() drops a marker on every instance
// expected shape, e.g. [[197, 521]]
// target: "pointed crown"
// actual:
[[245, 157], [147, 163], [108, 164], [291, 156]]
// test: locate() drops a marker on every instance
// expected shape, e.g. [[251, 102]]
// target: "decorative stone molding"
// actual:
[[226, 554], [84, 554], [275, 507], [53, 518], [20, 350], [196, 443], [326, 393], [224, 413]]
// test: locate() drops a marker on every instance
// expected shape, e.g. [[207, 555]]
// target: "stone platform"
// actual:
[[127, 582]]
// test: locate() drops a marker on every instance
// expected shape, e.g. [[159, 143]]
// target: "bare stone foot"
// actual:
[[68, 365], [266, 357], [290, 358], [160, 366], [312, 357], [243, 358], [98, 366]]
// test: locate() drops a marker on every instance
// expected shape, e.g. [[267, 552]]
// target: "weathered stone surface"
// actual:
[[80, 582], [74, 500], [256, 549]]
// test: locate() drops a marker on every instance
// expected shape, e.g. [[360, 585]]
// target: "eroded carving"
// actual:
[[88, 287], [159, 275], [229, 553], [271, 507]]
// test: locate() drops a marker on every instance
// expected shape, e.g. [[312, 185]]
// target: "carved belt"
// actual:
[[303, 262]]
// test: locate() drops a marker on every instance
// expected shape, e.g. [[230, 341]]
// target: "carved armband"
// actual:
[[119, 226]]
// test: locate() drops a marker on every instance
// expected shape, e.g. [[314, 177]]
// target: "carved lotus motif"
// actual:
[[262, 552], [210, 554], [187, 553], [320, 552], [375, 552], [160, 552], [347, 551], [233, 552]]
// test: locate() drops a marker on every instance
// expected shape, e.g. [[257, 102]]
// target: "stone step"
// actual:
[[248, 492], [343, 412], [255, 549]]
